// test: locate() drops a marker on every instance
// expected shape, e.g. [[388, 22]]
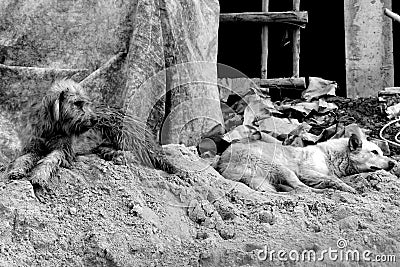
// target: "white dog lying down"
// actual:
[[268, 166]]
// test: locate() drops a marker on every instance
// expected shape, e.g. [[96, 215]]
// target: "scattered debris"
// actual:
[[258, 109], [319, 87], [393, 111], [278, 126], [320, 117]]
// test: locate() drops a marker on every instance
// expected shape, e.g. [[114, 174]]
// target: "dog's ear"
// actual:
[[50, 104], [55, 111], [355, 143]]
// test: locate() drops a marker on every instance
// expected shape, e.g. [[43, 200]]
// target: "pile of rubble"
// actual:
[[318, 116]]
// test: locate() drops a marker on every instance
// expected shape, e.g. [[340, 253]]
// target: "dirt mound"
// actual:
[[100, 214]]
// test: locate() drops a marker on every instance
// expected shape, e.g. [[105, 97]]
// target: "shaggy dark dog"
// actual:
[[53, 123], [64, 113]]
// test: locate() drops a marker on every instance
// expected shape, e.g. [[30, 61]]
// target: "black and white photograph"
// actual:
[[199, 133]]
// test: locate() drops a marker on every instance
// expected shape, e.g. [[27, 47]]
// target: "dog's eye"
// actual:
[[79, 103], [375, 152]]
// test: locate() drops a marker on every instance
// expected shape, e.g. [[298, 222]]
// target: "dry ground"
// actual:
[[101, 214]]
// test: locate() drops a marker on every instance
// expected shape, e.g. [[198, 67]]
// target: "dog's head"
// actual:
[[367, 156], [69, 107]]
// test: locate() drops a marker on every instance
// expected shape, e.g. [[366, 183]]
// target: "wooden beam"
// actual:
[[296, 44], [298, 18], [294, 83], [264, 43], [242, 86], [390, 91]]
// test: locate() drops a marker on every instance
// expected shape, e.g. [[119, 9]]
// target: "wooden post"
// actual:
[[264, 43], [296, 43]]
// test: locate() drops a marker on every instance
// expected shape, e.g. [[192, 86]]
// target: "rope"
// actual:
[[397, 143]]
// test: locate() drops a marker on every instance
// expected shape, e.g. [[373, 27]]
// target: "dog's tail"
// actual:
[[160, 161]]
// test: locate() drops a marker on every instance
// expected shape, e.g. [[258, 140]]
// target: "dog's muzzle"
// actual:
[[390, 166]]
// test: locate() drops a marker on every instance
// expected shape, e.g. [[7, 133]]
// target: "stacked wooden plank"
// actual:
[[295, 18]]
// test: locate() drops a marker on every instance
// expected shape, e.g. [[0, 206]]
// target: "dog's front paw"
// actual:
[[303, 189], [15, 174], [349, 189], [39, 181], [40, 176], [335, 184], [118, 157], [343, 187]]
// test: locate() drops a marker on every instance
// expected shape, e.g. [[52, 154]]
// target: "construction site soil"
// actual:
[[100, 214]]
